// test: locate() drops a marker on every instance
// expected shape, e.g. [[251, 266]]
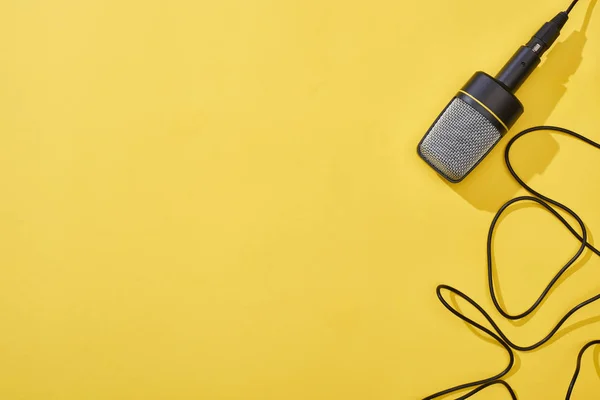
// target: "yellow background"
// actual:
[[222, 199]]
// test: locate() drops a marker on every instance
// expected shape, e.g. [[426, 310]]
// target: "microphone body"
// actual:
[[483, 110]]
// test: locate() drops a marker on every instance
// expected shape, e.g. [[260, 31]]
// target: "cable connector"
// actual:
[[548, 33]]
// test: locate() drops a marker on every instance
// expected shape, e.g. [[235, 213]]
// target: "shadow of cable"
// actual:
[[565, 331], [490, 184], [597, 360]]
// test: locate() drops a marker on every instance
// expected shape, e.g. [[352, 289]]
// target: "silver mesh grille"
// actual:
[[458, 140]]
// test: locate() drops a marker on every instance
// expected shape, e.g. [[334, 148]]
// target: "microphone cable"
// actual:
[[496, 333], [571, 6]]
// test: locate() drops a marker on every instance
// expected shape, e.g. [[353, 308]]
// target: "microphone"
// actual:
[[484, 109]]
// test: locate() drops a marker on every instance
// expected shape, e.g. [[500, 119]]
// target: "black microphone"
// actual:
[[484, 109]]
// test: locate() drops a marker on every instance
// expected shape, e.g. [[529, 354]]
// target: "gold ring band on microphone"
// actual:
[[486, 108]]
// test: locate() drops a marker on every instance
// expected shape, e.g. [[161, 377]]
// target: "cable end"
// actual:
[[548, 33]]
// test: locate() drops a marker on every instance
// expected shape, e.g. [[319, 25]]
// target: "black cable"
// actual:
[[571, 6], [506, 385], [496, 333], [576, 374]]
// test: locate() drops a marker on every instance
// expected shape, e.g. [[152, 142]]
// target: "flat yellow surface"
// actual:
[[222, 199]]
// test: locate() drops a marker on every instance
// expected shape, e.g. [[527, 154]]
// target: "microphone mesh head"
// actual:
[[458, 140]]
